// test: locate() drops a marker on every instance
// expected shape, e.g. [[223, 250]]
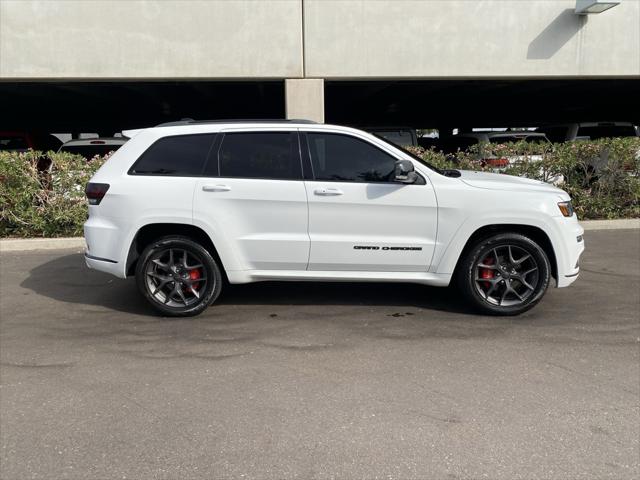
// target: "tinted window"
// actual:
[[181, 155], [348, 159], [260, 155]]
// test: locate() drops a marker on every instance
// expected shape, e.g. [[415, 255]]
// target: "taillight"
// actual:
[[95, 192], [497, 162]]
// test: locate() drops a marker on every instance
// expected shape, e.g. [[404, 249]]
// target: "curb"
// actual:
[[25, 244], [619, 224]]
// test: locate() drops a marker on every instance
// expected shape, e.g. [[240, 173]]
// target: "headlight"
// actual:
[[566, 208]]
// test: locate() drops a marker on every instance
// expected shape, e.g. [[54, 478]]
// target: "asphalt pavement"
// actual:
[[310, 380]]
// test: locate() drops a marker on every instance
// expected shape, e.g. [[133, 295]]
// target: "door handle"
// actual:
[[328, 192], [216, 188]]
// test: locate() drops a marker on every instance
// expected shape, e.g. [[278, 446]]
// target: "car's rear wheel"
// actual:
[[178, 276], [505, 274]]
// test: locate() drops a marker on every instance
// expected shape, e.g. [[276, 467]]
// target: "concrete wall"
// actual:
[[469, 38], [150, 39], [304, 98], [342, 39]]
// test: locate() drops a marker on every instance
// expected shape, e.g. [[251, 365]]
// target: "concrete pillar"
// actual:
[[304, 98]]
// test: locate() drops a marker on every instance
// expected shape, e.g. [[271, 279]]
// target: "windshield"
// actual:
[[402, 138], [406, 152]]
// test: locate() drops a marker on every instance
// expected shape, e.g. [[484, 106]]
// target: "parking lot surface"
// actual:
[[313, 380]]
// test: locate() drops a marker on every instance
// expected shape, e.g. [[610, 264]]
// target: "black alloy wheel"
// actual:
[[178, 276], [506, 274]]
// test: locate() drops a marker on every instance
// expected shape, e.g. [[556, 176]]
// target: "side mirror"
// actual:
[[404, 172]]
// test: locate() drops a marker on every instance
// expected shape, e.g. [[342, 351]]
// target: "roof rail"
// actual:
[[191, 121]]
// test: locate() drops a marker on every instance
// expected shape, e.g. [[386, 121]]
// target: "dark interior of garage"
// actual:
[[109, 107], [465, 104]]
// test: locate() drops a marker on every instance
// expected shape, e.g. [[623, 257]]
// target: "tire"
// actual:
[[512, 290], [173, 286]]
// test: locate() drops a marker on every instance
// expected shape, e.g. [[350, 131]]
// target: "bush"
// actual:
[[602, 176], [43, 204]]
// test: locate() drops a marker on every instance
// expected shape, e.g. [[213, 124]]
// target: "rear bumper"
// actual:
[[102, 265], [106, 240]]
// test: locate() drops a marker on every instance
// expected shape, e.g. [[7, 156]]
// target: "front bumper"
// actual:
[[573, 247]]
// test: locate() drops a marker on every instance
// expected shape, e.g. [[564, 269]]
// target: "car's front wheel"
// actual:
[[505, 274], [178, 276]]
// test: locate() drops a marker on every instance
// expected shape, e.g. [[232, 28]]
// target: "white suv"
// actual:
[[188, 205]]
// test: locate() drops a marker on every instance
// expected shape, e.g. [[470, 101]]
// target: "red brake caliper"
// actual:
[[194, 275], [487, 272]]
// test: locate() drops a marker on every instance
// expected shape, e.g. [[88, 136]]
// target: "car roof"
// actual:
[[589, 124], [515, 134], [500, 134], [183, 128], [191, 121], [96, 141]]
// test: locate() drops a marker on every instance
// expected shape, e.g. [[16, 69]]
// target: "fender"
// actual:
[[446, 260], [129, 237], [228, 257]]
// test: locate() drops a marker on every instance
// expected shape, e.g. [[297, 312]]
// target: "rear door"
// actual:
[[253, 196]]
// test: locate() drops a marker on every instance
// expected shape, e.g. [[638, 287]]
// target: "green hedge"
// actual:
[[52, 203], [602, 177]]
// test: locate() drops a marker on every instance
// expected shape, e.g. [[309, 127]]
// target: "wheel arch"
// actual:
[[535, 233], [150, 232]]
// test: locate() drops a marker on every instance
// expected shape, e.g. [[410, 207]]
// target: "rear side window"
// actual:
[[180, 155], [348, 159], [272, 155]]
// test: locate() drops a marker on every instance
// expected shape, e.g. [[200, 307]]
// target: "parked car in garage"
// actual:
[[503, 137], [449, 145], [183, 206], [589, 131], [401, 136], [592, 131], [18, 141], [90, 147], [23, 141]]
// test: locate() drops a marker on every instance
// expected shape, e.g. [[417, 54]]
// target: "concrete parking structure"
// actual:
[[108, 66]]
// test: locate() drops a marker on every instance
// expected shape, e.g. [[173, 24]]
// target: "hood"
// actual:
[[500, 181]]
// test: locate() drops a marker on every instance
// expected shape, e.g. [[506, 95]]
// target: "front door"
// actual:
[[359, 218]]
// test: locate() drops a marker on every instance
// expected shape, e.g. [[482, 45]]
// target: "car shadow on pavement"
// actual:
[[67, 279], [344, 293]]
